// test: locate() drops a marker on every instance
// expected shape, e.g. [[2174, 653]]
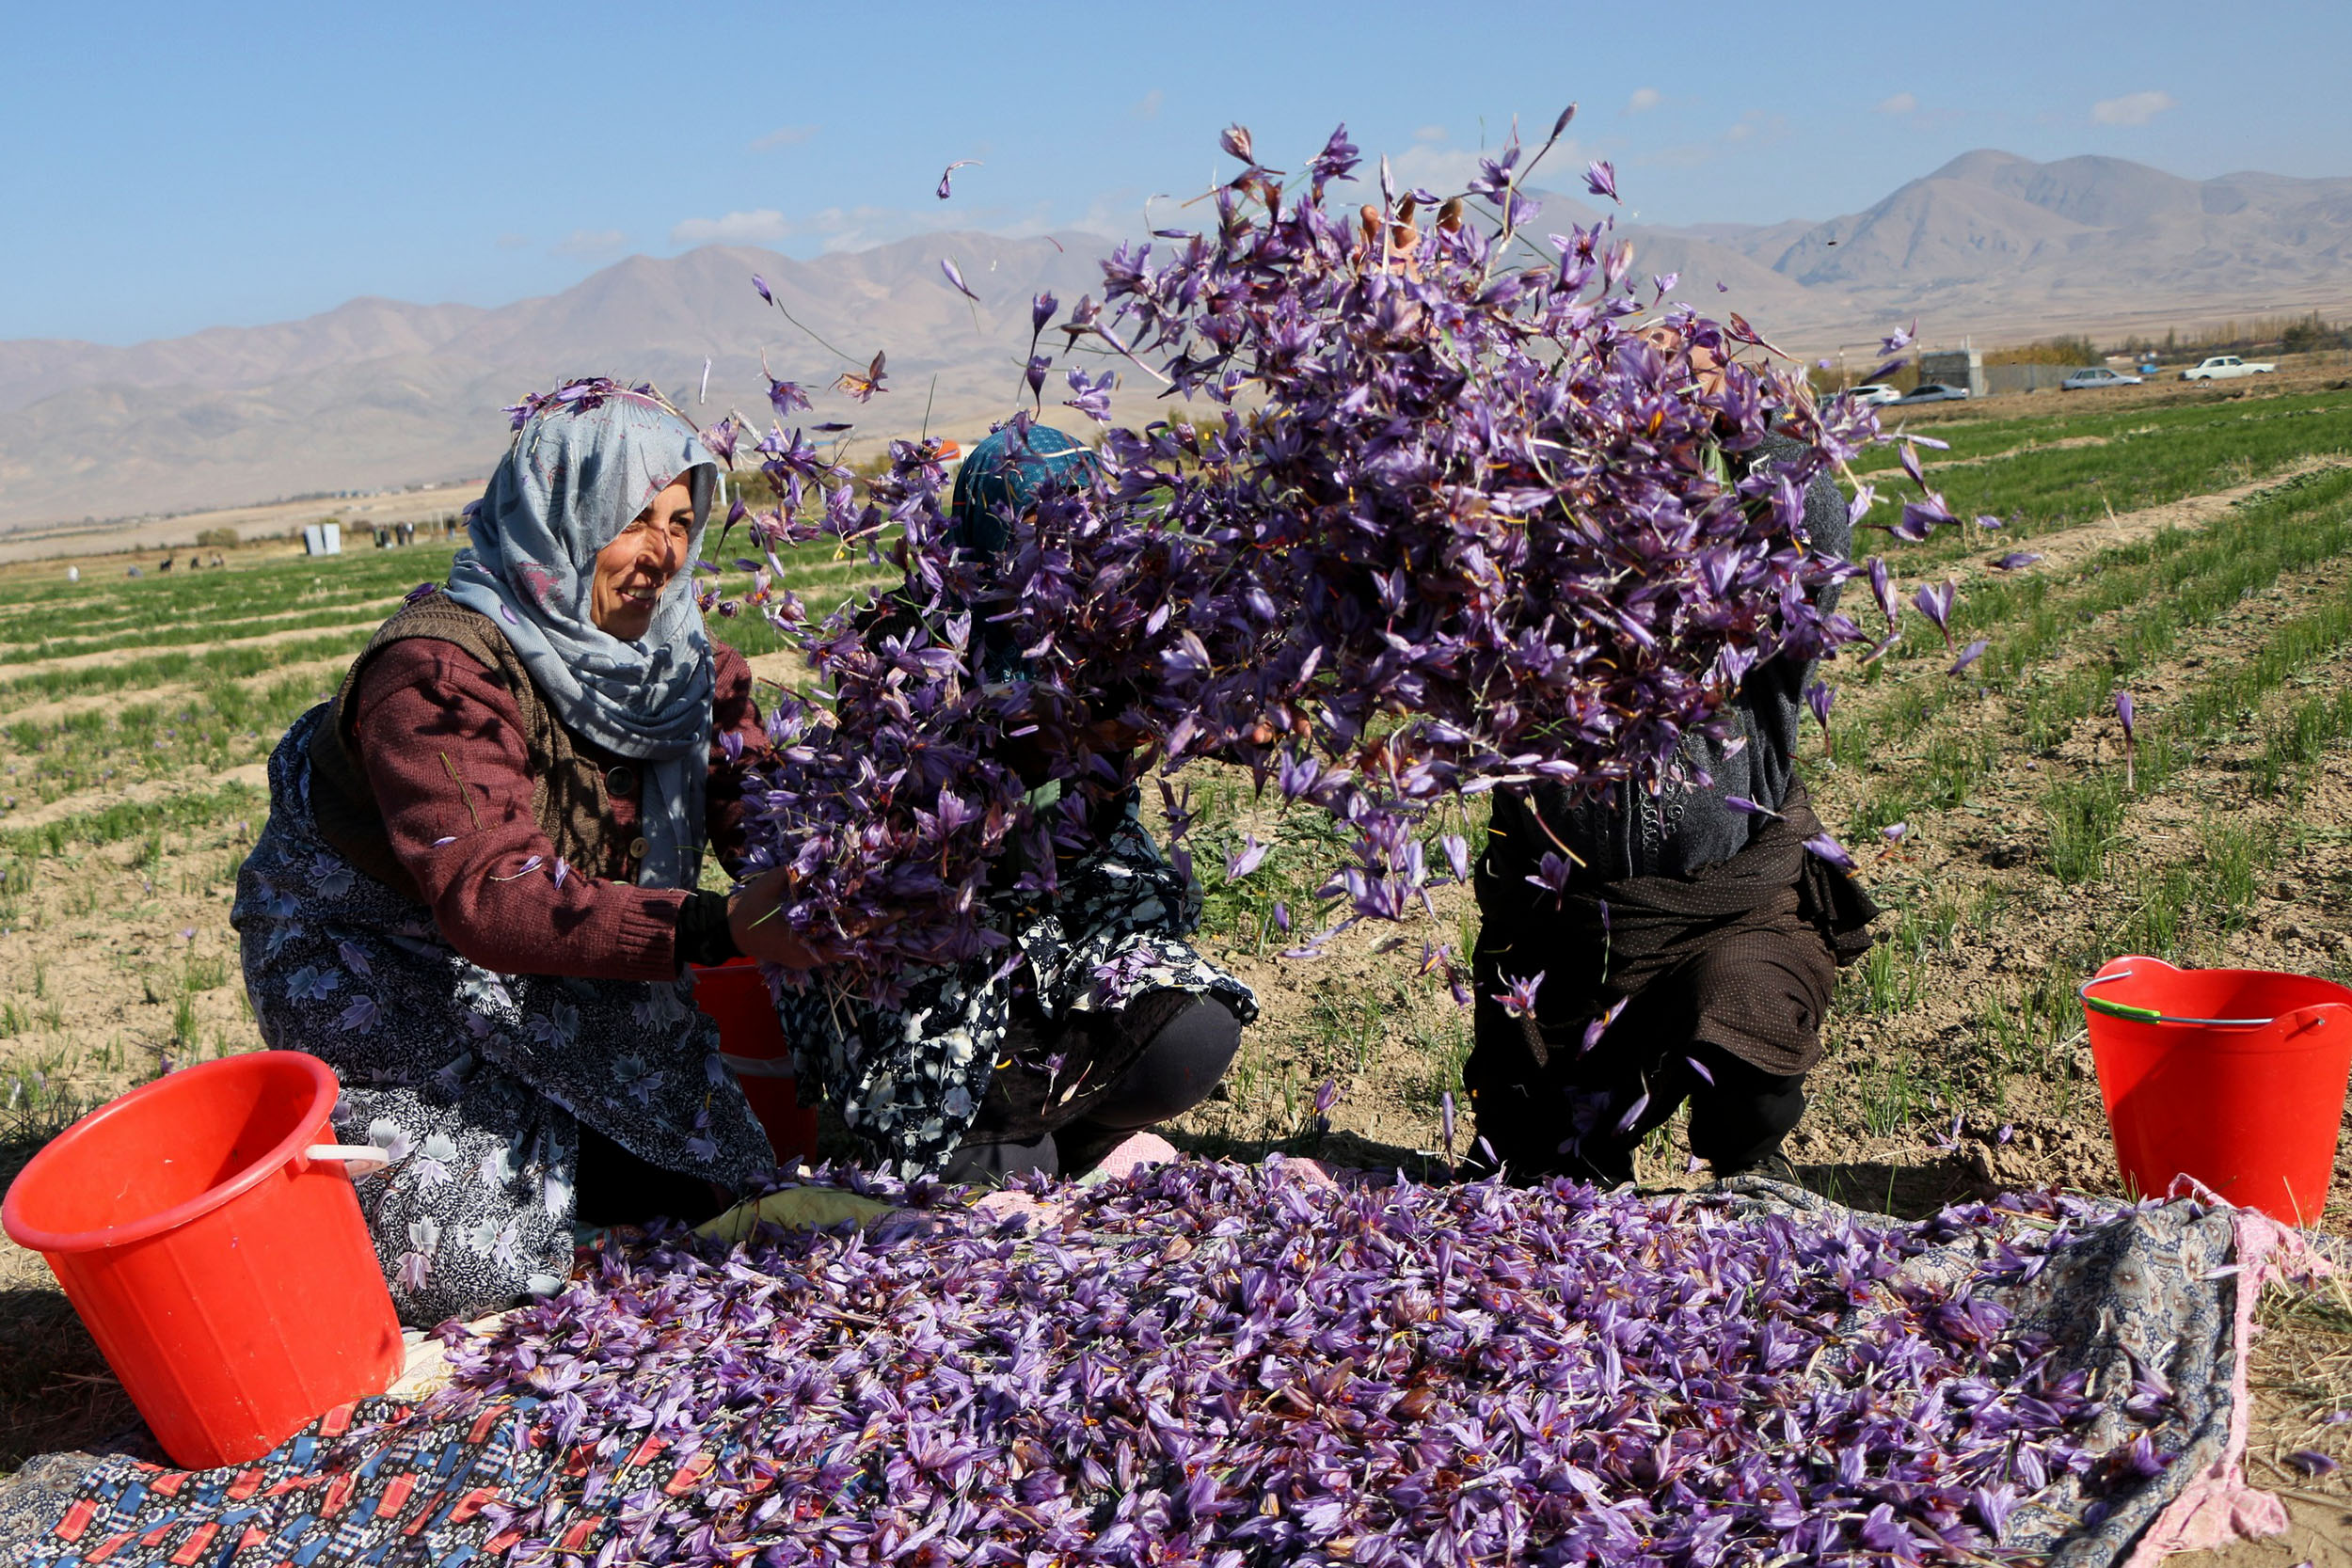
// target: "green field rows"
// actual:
[[2145, 457]]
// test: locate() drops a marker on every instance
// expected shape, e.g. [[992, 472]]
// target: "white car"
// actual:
[[2223, 366], [1875, 393], [2098, 375]]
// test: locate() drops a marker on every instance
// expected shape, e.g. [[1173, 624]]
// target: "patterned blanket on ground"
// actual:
[[1229, 1364]]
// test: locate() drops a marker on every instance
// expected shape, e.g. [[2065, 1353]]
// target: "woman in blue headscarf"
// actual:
[[990, 1071], [475, 896]]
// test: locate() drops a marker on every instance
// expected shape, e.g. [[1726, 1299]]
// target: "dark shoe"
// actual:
[[1084, 1144], [1774, 1166]]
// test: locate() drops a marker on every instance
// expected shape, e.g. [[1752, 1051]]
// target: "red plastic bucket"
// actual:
[[2233, 1077], [752, 1044], [206, 1232]]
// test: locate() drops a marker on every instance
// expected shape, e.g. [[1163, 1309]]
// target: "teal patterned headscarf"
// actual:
[[585, 461], [1000, 479], [995, 488]]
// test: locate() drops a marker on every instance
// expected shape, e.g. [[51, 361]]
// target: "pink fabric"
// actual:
[[1144, 1148], [2219, 1505]]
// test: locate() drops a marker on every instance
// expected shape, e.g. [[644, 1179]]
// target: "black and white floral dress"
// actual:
[[909, 1080]]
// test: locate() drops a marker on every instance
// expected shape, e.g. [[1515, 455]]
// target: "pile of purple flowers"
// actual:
[[1218, 1364], [1443, 508]]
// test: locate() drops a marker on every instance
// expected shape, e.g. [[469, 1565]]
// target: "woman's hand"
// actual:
[[752, 920]]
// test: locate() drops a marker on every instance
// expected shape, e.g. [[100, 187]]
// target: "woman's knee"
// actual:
[[1185, 1056]]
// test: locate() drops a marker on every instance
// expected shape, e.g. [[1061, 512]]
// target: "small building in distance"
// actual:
[[1958, 367]]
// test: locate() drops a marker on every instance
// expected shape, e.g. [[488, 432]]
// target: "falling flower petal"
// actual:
[[948, 174]]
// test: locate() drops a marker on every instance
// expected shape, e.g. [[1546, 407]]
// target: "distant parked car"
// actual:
[[1876, 392], [2097, 376], [2223, 366], [1932, 391]]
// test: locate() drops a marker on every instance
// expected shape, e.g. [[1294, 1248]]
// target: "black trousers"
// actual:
[[612, 1186], [1182, 1061], [1574, 1114]]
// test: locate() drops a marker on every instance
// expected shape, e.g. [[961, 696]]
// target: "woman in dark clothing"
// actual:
[[475, 895], [1691, 956], [1109, 1021]]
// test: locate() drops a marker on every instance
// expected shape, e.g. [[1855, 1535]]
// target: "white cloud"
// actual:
[[2133, 108], [591, 242], [512, 242], [1443, 169], [1902, 103], [1148, 106], [1430, 132], [1644, 97], [762, 227], [783, 135]]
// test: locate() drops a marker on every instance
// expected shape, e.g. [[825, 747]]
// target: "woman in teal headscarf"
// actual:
[[990, 1070], [475, 896]]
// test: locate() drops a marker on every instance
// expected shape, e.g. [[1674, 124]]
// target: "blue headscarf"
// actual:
[[994, 489], [580, 469]]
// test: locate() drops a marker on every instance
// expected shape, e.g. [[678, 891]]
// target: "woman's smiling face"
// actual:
[[632, 571]]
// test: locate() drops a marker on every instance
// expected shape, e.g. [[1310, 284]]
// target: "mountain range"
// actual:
[[379, 393]]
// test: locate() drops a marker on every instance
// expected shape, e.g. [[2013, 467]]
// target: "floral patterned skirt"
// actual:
[[910, 1080], [473, 1084]]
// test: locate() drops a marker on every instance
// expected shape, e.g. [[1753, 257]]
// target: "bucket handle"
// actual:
[[349, 1155], [2153, 1015]]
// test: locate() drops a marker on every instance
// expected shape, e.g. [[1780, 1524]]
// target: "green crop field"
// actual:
[[2198, 556]]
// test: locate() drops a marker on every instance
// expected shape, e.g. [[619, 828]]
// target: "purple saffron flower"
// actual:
[[1829, 849], [1969, 655], [784, 396], [1519, 999], [1601, 179], [1093, 397], [1457, 855], [1600, 1025], [2015, 561], [1244, 860], [1935, 603], [1882, 589], [1819, 697], [761, 284], [2127, 711], [956, 278], [948, 174]]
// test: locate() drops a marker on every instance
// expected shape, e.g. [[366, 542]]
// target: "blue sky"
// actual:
[[173, 168]]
